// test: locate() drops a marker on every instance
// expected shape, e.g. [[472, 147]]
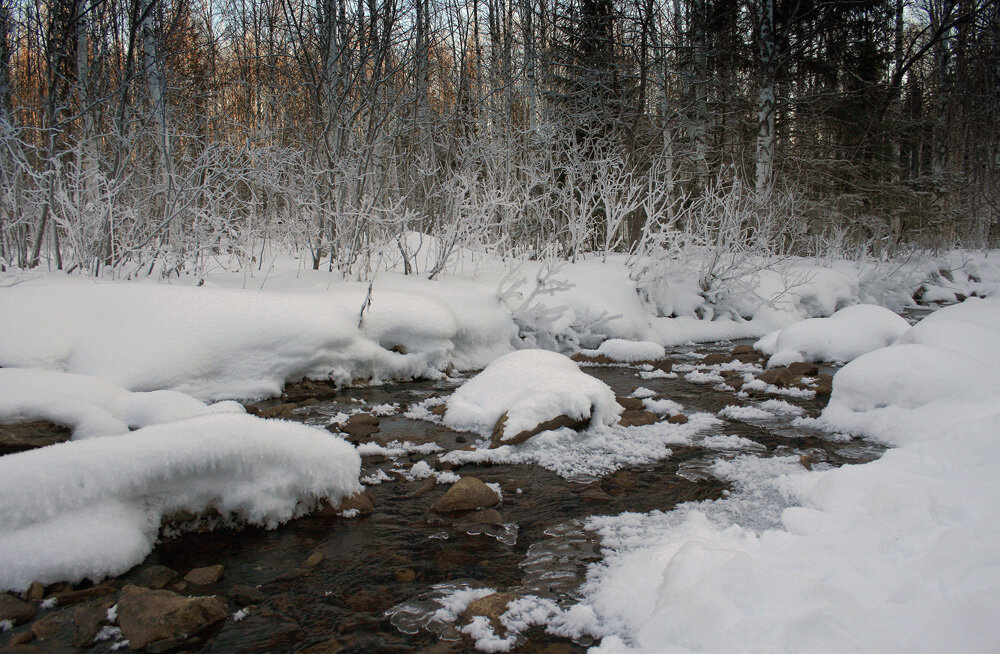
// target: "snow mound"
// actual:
[[531, 386], [898, 555], [216, 343], [619, 349], [92, 508], [92, 406], [845, 335]]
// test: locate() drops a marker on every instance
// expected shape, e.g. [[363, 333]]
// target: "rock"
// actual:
[[440, 409], [156, 619], [807, 461], [803, 368], [23, 436], [466, 494], [486, 517], [632, 403], [68, 597], [558, 648], [360, 425], [35, 592], [314, 560], [155, 576], [405, 575], [245, 594], [331, 646], [580, 357], [624, 479], [88, 620], [490, 607], [735, 383], [716, 358], [276, 411], [20, 639], [824, 385], [360, 502], [517, 439], [633, 418], [203, 576], [57, 625], [15, 610], [662, 364], [677, 419], [743, 349], [311, 401], [780, 377]]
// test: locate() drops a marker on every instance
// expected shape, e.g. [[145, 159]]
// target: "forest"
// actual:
[[156, 136]]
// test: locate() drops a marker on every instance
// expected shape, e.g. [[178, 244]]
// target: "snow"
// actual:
[[216, 343], [843, 336], [531, 386], [92, 406], [901, 554], [92, 508], [618, 349]]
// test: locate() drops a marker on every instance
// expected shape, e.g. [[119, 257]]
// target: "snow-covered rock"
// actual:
[[92, 508], [618, 349], [92, 406], [531, 387], [846, 334]]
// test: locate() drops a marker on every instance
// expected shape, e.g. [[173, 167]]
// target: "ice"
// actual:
[[92, 508], [843, 336], [531, 386], [92, 406]]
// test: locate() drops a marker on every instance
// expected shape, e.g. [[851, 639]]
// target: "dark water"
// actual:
[[402, 550]]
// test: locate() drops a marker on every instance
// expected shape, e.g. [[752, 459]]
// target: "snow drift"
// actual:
[[92, 508], [531, 386]]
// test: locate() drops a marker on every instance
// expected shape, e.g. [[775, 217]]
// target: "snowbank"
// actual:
[[898, 555], [92, 508], [531, 386], [92, 406], [845, 335], [217, 343]]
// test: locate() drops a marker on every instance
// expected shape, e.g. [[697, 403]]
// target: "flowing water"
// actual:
[[378, 585]]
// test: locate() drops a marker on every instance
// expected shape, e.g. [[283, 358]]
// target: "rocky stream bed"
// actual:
[[366, 579]]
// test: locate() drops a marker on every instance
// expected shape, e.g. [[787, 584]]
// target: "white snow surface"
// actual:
[[92, 406], [217, 343], [92, 508], [531, 386], [898, 555], [618, 349], [845, 335]]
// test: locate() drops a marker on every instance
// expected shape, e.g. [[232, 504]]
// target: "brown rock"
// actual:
[[35, 592], [314, 560], [824, 385], [23, 436], [716, 358], [803, 368], [326, 647], [68, 597], [662, 364], [244, 594], [633, 403], [807, 461], [490, 607], [466, 494], [276, 410], [88, 620], [155, 576], [633, 418], [780, 377], [440, 409], [360, 425], [678, 419], [153, 619], [20, 639], [203, 576], [16, 610], [57, 623], [360, 501], [405, 575], [580, 357], [486, 517], [496, 439], [743, 349]]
